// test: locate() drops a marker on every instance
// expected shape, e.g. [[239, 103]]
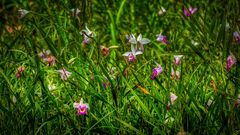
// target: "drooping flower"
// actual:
[[173, 98], [82, 108], [190, 11], [64, 74], [231, 60], [177, 59], [175, 74], [22, 13], [156, 71], [131, 56], [163, 39], [19, 72], [236, 36], [87, 35], [75, 12]]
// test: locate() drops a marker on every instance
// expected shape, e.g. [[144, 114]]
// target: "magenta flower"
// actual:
[[177, 59], [131, 56], [173, 98], [231, 60], [190, 11], [163, 39], [82, 108], [156, 71], [236, 36], [64, 74]]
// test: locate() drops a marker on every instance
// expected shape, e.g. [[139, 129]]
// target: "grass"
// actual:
[[40, 102]]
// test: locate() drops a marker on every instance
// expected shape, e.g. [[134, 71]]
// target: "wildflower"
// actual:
[[82, 108], [190, 11], [162, 38], [177, 59], [194, 43], [173, 98], [175, 74], [50, 60], [237, 103], [106, 83], [75, 12], [104, 50], [20, 71], [156, 71], [236, 36], [87, 35], [22, 13], [131, 56], [162, 11], [227, 26], [44, 54], [231, 60], [142, 41], [209, 103], [64, 74]]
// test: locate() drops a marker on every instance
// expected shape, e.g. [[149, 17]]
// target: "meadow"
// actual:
[[119, 67]]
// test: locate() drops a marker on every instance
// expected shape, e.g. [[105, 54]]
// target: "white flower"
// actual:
[[87, 35], [64, 74], [22, 13], [75, 11], [162, 11], [132, 55]]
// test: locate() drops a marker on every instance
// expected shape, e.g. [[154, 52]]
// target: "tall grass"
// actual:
[[40, 102]]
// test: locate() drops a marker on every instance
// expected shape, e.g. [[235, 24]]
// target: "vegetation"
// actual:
[[119, 67]]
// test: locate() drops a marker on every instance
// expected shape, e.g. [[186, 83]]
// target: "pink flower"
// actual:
[[175, 74], [236, 36], [156, 71], [190, 11], [20, 71], [50, 60], [177, 59], [162, 38], [231, 60], [64, 74], [173, 98], [81, 107]]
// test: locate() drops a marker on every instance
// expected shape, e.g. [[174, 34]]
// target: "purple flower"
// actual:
[[81, 107], [162, 38], [87, 35], [131, 56], [190, 11], [231, 60], [177, 59], [64, 74], [44, 54], [156, 71], [236, 36]]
